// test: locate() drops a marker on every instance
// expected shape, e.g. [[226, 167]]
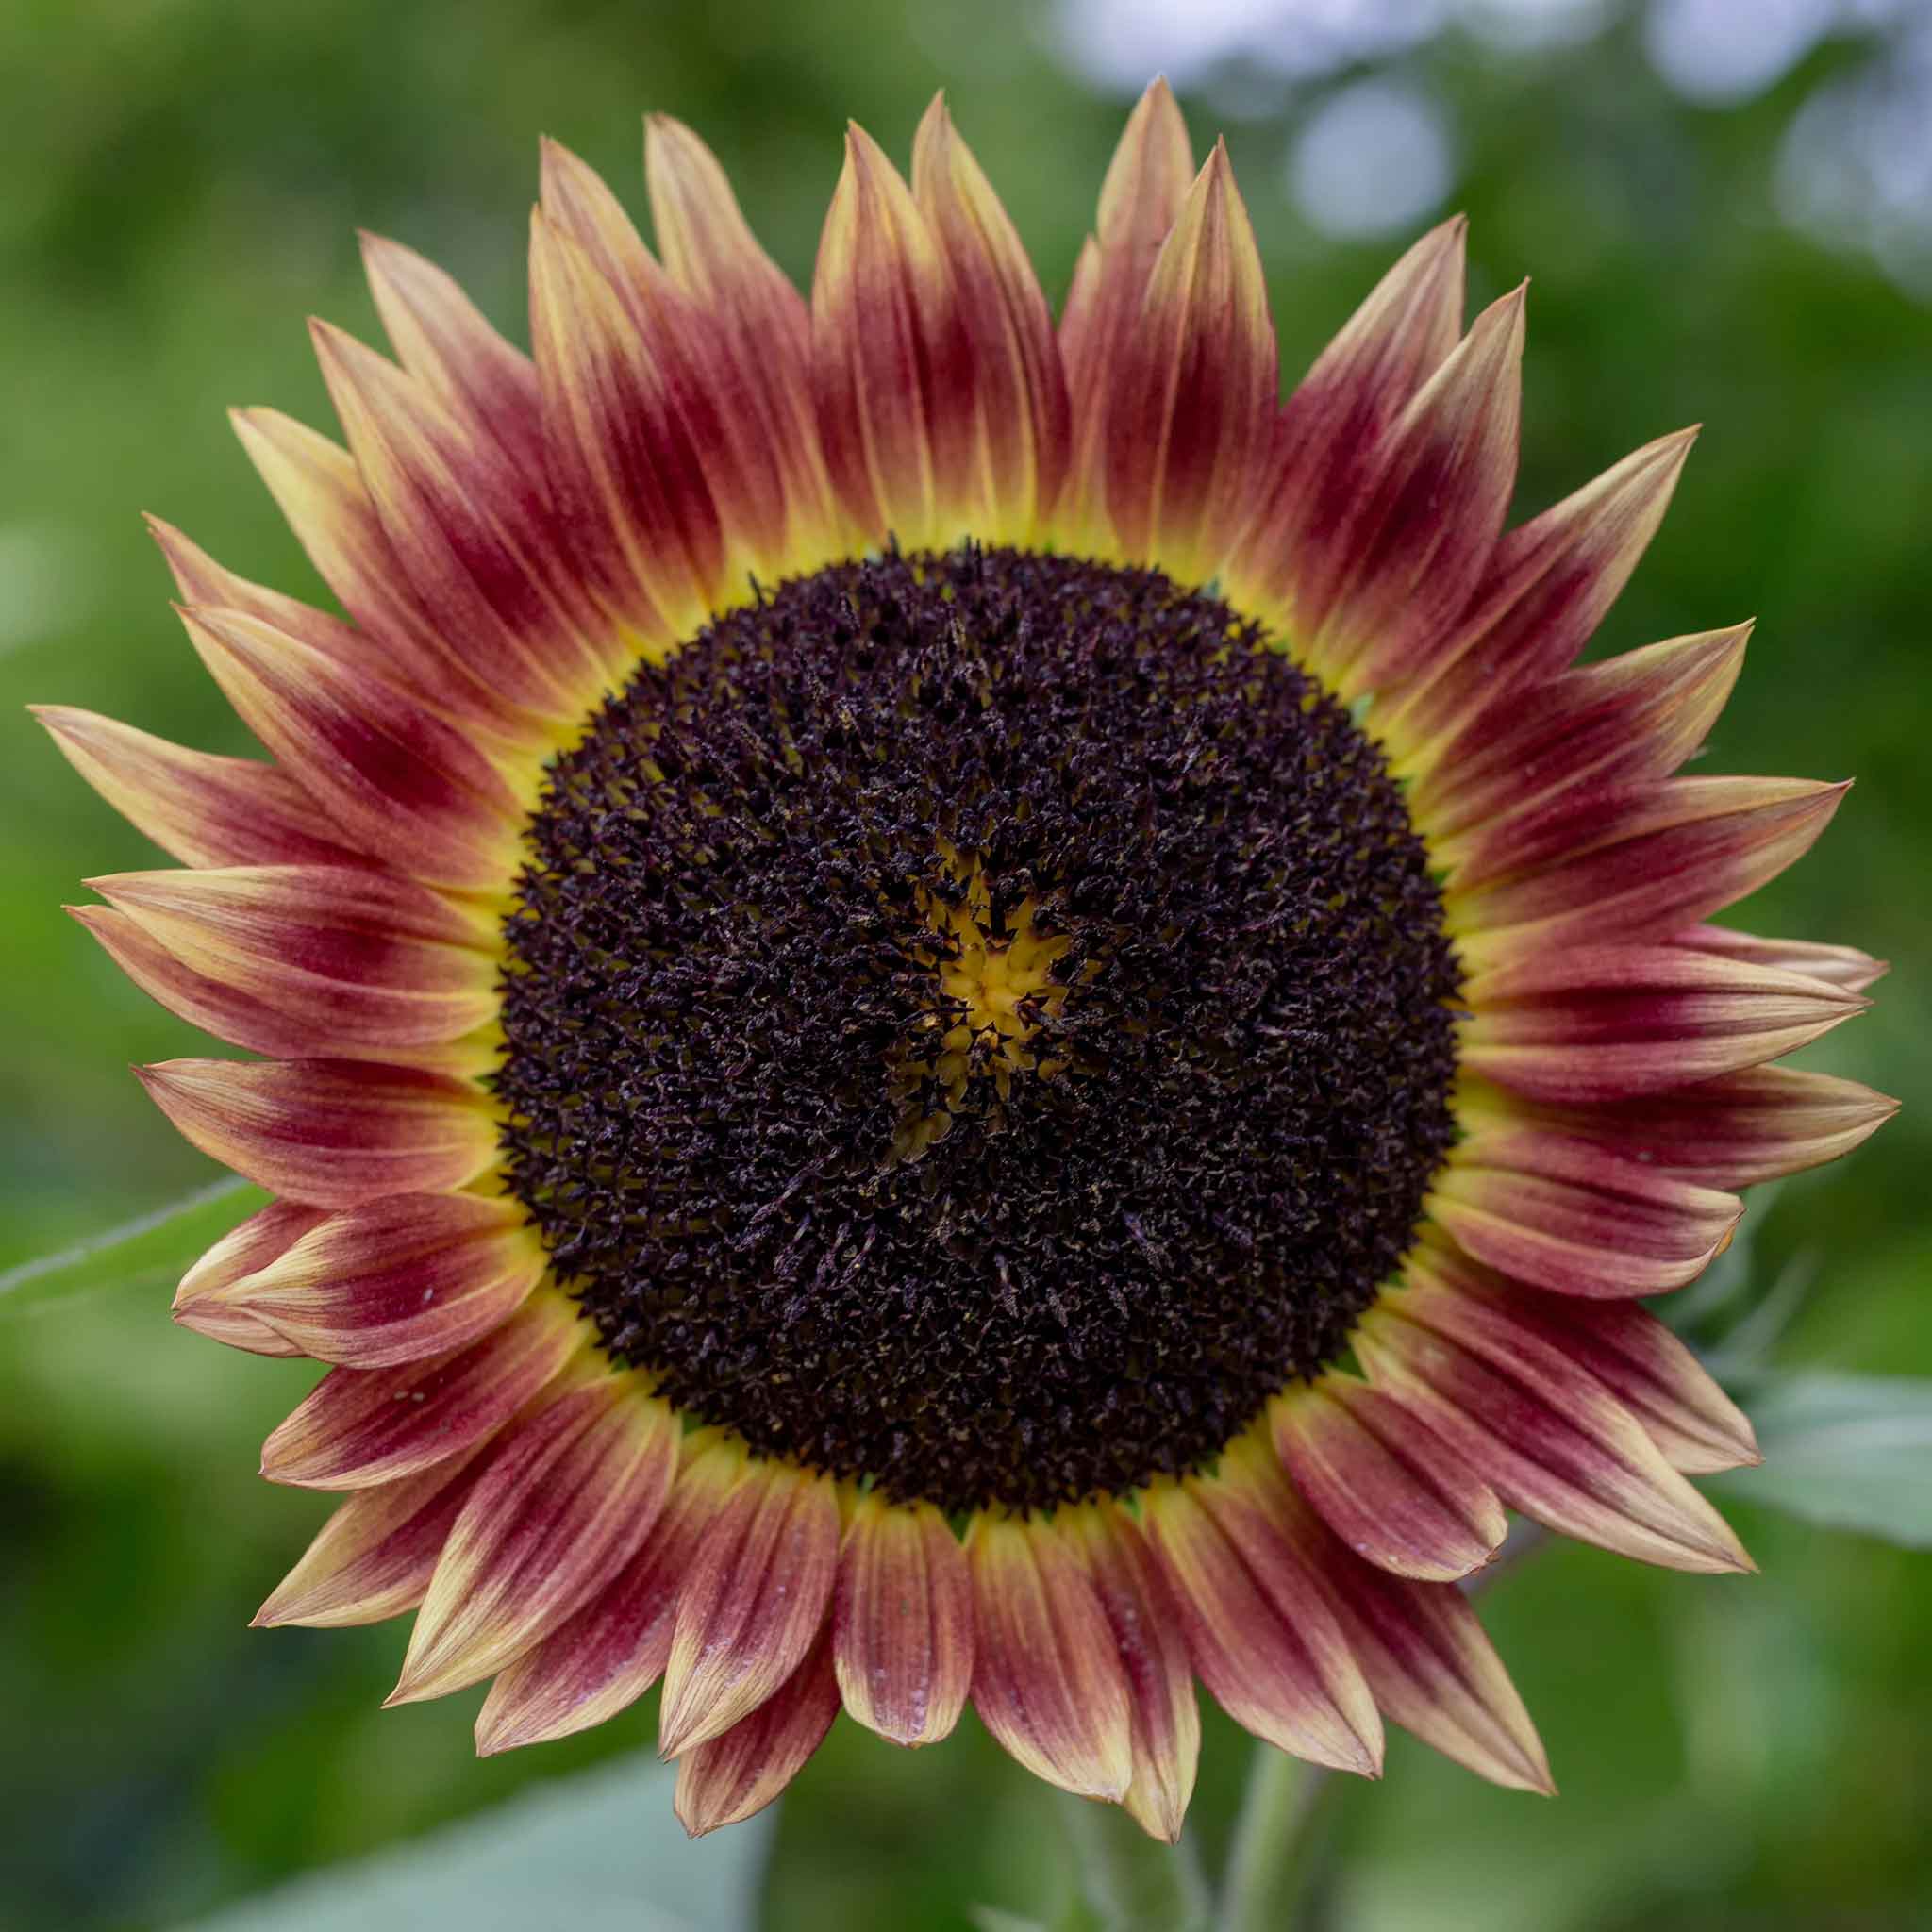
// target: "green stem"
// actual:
[[1129, 1881], [1264, 1878]]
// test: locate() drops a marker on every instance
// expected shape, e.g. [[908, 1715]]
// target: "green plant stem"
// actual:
[[1129, 1881], [1264, 1877]]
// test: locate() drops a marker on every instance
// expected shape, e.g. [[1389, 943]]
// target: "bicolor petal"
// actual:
[[360, 1427], [1382, 1483], [1047, 1679], [1544, 1433], [1163, 1713], [1592, 1023], [1140, 199], [1258, 1624], [604, 1656], [1844, 966], [1574, 1218], [201, 1301], [902, 1621], [1192, 390], [1736, 1130], [329, 1133], [1020, 390], [891, 362], [389, 775], [198, 808], [754, 1602], [563, 1506], [730, 1776]]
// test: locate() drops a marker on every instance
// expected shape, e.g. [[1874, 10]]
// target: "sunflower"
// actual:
[[950, 1009]]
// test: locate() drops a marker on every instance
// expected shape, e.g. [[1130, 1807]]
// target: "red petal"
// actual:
[[1550, 1438], [1635, 866], [1258, 1625], [1844, 966], [1433, 1670], [902, 1626], [398, 1279], [639, 439], [563, 1506], [477, 538], [197, 807], [1047, 1680], [1383, 1484], [1163, 1712], [199, 1302], [1639, 716], [1592, 1023], [1412, 547], [728, 1777], [336, 959], [359, 1428], [1020, 389], [394, 777], [374, 1556], [331, 1133], [1546, 592], [1736, 1130], [758, 324], [1192, 395], [606, 1655], [1569, 1217], [1139, 201], [1329, 430], [892, 367], [754, 1600], [442, 340]]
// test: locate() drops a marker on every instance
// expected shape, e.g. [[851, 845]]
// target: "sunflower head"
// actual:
[[949, 1007]]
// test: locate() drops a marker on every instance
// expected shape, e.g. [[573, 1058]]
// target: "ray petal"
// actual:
[[1383, 1484], [563, 1506], [360, 1427], [201, 1301], [329, 1133], [754, 1602], [1047, 1680], [728, 1777], [902, 1624]]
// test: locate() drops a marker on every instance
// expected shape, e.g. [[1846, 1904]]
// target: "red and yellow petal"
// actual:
[[1544, 1433], [893, 362], [1734, 1131], [390, 776], [1260, 1627], [201, 1301], [1022, 417], [198, 808], [754, 1602], [1047, 1679], [329, 1133], [728, 1777], [563, 1506], [1326, 436], [1192, 389], [1590, 1024], [902, 1621], [1164, 1716], [604, 1656], [1147, 182], [1382, 1483], [361, 1427]]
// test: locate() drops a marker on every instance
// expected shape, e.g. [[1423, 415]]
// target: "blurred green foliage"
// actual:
[[185, 180]]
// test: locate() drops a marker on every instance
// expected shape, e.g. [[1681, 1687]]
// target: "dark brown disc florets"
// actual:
[[982, 1023]]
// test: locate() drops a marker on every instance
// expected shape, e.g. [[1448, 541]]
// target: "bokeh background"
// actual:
[[1726, 206]]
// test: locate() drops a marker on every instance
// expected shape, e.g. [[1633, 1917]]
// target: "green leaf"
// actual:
[[601, 1852], [1851, 1452], [157, 1249]]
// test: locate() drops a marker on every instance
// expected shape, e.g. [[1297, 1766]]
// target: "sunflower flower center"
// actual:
[[981, 1023]]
